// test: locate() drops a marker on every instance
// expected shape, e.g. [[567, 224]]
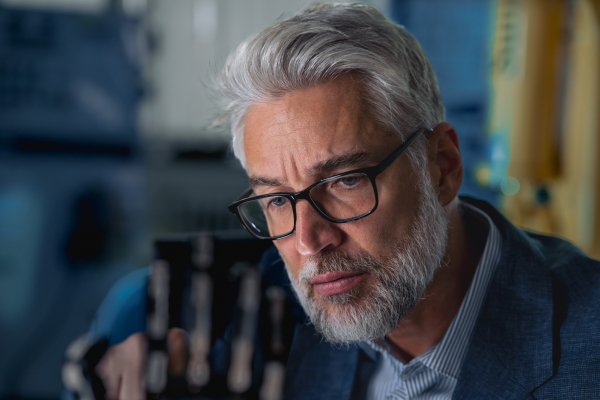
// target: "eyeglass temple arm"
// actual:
[[390, 159]]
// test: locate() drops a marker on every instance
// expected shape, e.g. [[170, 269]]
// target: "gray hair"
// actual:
[[327, 40]]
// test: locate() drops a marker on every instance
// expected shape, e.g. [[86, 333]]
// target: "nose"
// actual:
[[313, 232]]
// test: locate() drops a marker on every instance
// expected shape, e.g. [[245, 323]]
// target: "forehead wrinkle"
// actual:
[[285, 168], [293, 142], [306, 132]]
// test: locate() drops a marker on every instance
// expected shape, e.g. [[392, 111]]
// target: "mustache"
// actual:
[[318, 264]]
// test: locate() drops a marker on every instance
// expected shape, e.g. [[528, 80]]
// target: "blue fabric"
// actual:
[[537, 336], [123, 310]]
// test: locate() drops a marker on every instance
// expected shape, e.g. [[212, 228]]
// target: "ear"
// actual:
[[445, 162]]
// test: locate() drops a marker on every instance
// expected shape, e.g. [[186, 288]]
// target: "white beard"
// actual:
[[400, 280]]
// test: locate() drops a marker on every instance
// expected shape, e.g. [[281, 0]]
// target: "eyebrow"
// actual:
[[339, 162], [335, 163], [260, 181]]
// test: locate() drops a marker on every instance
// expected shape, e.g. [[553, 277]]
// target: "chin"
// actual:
[[352, 317]]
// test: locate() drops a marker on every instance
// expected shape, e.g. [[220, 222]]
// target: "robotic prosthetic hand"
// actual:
[[215, 329]]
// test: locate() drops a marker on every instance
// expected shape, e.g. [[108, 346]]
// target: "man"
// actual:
[[337, 117]]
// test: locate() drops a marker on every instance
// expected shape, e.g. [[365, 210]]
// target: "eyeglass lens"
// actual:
[[343, 198]]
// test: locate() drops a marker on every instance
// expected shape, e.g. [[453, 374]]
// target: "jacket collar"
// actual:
[[511, 352]]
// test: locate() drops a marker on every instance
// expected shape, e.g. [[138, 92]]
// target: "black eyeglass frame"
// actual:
[[370, 172]]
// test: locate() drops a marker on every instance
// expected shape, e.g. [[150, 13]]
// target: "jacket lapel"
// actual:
[[323, 371], [510, 354]]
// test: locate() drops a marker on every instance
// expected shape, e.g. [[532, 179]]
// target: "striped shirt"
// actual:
[[433, 374]]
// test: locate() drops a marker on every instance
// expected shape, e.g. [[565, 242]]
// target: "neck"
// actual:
[[427, 323]]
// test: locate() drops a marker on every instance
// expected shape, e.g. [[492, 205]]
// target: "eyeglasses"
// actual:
[[344, 197]]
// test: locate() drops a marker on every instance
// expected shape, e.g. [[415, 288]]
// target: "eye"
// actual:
[[349, 180], [277, 201]]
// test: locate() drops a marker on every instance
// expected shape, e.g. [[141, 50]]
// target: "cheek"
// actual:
[[290, 256], [393, 219], [377, 233]]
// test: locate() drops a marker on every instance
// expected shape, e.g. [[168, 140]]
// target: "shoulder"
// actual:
[[577, 312], [577, 298], [531, 262], [540, 322], [579, 273], [574, 277]]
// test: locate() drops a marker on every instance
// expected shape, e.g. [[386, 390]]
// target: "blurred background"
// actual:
[[105, 144]]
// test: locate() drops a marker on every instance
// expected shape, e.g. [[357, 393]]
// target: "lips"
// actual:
[[336, 282]]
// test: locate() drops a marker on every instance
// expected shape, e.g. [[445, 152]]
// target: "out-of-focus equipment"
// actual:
[[455, 35], [545, 126], [240, 326], [81, 358]]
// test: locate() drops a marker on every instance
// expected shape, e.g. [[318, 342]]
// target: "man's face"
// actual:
[[347, 272]]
